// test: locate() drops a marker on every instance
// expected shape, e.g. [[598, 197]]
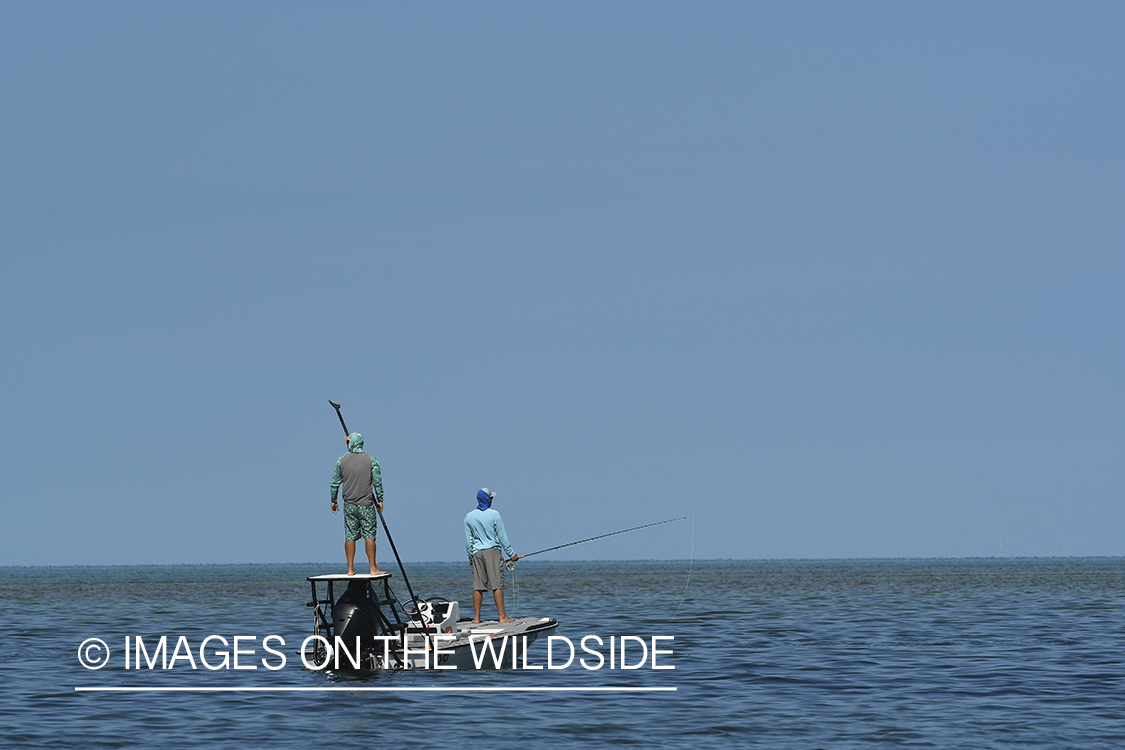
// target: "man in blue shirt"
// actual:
[[484, 538]]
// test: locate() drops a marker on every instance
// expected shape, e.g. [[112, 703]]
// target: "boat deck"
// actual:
[[494, 628]]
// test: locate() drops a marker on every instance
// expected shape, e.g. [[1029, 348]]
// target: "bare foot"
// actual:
[[377, 572], [506, 619], [477, 620], [351, 572]]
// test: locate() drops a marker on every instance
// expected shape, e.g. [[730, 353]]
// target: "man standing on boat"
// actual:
[[484, 538], [358, 473]]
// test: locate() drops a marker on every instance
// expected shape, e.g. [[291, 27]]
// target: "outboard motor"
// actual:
[[356, 613]]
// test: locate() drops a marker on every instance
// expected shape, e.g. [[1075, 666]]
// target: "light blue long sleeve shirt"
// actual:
[[484, 529]]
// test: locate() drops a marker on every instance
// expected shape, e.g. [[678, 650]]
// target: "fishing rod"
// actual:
[[511, 564], [413, 597]]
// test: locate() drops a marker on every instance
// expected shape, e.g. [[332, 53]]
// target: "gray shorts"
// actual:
[[488, 570]]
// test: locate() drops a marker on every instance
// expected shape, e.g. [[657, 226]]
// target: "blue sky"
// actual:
[[838, 280]]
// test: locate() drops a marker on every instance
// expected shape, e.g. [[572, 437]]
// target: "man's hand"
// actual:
[[515, 557], [335, 507], [380, 506]]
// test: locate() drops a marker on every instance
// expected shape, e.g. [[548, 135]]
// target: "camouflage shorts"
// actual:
[[359, 522]]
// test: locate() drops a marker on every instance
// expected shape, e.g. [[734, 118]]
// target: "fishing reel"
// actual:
[[510, 565]]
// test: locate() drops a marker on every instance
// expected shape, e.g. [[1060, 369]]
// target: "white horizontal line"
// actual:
[[358, 689]]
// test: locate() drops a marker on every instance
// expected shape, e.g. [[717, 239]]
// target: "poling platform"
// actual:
[[367, 628]]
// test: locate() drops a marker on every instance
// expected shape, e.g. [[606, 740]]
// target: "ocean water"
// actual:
[[985, 653]]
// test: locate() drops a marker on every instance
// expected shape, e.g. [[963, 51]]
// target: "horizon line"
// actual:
[[593, 560]]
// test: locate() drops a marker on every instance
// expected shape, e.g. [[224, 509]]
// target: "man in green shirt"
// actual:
[[358, 473]]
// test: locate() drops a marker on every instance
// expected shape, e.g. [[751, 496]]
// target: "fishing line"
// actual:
[[512, 566], [691, 562]]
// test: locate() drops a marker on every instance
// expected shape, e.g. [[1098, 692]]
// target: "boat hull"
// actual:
[[469, 646]]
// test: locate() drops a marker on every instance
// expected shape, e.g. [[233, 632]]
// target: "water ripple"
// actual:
[[772, 654]]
